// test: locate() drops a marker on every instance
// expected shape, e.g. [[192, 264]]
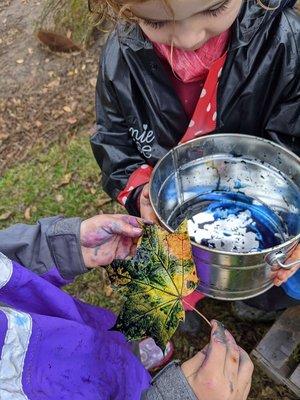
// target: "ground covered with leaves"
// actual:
[[47, 168]]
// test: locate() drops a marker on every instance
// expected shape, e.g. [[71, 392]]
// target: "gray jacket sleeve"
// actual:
[[169, 384], [51, 242]]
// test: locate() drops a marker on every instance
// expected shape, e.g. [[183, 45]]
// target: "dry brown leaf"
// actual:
[[67, 109], [93, 82], [59, 198], [108, 290], [27, 213], [38, 124], [54, 83], [72, 120], [5, 216], [4, 136], [103, 202], [74, 105], [65, 180], [17, 102]]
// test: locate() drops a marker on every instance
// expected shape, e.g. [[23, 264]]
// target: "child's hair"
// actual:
[[267, 7], [116, 9]]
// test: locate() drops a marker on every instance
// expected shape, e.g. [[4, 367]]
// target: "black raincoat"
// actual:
[[258, 93]]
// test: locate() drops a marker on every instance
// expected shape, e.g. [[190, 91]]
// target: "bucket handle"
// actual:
[[277, 259]]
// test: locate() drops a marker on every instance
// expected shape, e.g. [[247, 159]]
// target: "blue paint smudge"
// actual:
[[239, 185], [232, 221]]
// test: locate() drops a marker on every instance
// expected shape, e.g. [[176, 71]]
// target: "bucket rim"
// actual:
[[264, 252]]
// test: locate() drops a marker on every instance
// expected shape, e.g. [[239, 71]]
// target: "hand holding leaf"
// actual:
[[154, 283]]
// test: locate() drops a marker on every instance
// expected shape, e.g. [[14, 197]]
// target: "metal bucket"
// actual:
[[237, 167]]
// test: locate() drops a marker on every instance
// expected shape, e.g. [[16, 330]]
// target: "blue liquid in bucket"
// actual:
[[234, 222]]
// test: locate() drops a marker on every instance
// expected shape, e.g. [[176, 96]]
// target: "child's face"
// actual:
[[192, 23]]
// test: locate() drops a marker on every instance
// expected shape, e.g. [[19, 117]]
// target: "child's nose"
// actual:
[[189, 37]]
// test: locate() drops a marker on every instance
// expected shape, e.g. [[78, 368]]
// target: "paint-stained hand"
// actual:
[[146, 210], [282, 275], [222, 370], [105, 238]]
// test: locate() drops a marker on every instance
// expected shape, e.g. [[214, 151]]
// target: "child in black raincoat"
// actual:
[[175, 70]]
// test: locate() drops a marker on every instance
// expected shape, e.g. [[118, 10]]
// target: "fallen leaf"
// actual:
[[65, 180], [67, 109], [154, 284], [17, 102], [27, 213], [74, 105], [54, 83], [102, 202], [59, 198], [108, 290], [72, 120], [93, 82], [5, 216], [267, 392], [38, 124], [4, 136]]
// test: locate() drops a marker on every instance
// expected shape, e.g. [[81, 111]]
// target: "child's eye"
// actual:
[[217, 11], [210, 12], [156, 24]]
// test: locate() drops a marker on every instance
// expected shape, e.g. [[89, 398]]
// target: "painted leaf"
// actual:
[[154, 283]]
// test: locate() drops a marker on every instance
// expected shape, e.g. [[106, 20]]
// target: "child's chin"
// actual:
[[192, 48]]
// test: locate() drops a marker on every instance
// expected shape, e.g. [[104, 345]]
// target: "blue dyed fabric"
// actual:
[[292, 286]]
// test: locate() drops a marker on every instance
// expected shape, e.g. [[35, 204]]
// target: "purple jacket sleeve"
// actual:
[[51, 242]]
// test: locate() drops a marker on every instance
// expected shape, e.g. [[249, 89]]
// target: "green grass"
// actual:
[[43, 185]]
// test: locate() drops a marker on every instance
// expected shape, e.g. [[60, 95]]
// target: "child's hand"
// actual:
[[146, 210], [222, 370], [282, 275], [105, 238]]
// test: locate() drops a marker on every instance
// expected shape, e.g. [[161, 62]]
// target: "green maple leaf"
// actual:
[[154, 283]]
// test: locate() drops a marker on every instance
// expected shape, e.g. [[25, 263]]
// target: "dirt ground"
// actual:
[[43, 97], [41, 93]]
